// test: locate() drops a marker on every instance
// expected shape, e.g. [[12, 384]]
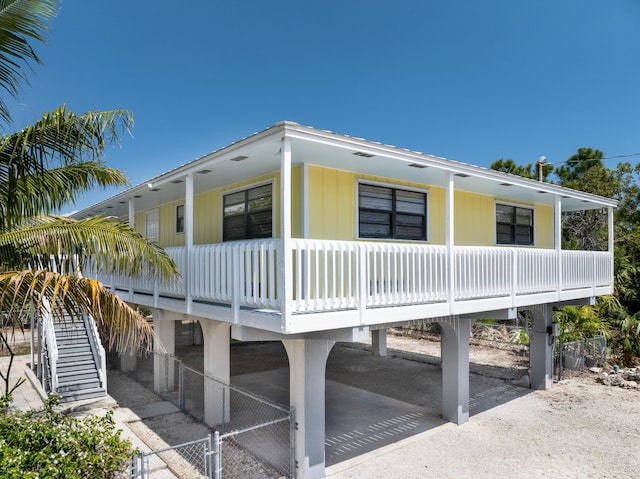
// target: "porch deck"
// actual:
[[320, 285]]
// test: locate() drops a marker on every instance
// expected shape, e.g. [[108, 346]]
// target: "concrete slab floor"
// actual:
[[371, 402]]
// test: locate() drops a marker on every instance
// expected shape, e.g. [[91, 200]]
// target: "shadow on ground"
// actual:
[[371, 402]]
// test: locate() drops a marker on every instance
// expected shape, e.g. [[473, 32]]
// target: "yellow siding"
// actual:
[[332, 211], [296, 202], [139, 222], [207, 212], [333, 203], [474, 219], [437, 212], [543, 226]]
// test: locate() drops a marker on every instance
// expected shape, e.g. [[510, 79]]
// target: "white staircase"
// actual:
[[75, 359]]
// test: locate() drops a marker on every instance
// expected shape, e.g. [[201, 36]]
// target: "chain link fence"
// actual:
[[253, 436], [577, 355], [188, 460], [501, 347]]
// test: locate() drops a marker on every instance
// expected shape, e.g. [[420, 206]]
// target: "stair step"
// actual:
[[70, 376], [78, 385], [65, 333], [73, 366], [73, 348], [71, 357], [70, 396], [58, 328], [73, 341]]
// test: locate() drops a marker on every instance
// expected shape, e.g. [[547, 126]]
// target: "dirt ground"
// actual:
[[577, 429]]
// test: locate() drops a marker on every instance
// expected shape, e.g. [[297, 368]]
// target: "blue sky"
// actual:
[[467, 80]]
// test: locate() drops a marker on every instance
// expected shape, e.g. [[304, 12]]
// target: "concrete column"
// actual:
[[379, 342], [541, 348], [128, 360], [163, 370], [455, 369], [307, 364], [216, 336]]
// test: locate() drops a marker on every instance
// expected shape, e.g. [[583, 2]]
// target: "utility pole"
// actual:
[[541, 161]]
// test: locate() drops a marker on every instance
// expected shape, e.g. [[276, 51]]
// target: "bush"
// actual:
[[55, 446]]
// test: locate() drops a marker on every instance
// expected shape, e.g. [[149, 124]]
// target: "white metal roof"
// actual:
[[325, 148]]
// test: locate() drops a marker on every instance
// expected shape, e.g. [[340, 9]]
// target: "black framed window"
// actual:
[[391, 213], [180, 219], [248, 214], [514, 225]]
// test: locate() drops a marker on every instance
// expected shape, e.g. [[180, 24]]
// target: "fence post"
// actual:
[[292, 441], [166, 377], [224, 407], [207, 459], [181, 386], [134, 467], [217, 455]]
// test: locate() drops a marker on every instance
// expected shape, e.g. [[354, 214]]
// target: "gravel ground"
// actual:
[[577, 429]]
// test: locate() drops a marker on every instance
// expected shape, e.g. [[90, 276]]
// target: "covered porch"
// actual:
[[322, 285]]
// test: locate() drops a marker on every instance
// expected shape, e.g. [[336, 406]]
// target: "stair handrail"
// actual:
[[49, 335], [99, 355]]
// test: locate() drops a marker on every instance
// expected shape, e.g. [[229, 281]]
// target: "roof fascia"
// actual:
[[300, 132]]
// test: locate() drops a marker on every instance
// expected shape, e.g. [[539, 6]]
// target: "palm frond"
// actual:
[[20, 21], [60, 139], [52, 189], [103, 245], [123, 327]]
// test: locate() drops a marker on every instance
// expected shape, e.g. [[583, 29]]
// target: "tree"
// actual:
[[530, 170], [45, 166], [588, 230]]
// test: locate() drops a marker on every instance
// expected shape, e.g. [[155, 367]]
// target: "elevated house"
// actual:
[[311, 237]]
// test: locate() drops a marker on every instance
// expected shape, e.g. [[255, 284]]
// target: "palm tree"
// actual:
[[45, 166]]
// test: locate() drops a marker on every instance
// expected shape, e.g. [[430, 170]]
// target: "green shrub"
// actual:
[[50, 445]]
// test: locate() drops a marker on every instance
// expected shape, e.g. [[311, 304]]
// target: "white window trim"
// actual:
[[184, 219], [257, 184], [156, 211], [495, 224], [395, 186]]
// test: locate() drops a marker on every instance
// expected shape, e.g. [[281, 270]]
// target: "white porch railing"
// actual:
[[50, 364], [97, 349], [340, 275]]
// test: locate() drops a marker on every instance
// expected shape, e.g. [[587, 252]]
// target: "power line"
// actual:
[[594, 159]]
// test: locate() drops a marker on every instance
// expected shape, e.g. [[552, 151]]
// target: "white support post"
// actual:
[[132, 213], [305, 201], [455, 369], [307, 364], [557, 240], [379, 342], [163, 372], [188, 236], [128, 358], [217, 337], [132, 225], [450, 239], [611, 245], [541, 348], [284, 264]]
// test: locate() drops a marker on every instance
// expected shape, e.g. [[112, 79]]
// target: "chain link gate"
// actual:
[[189, 460], [254, 440]]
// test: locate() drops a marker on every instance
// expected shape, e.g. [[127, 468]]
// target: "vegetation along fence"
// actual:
[[253, 437], [576, 355]]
